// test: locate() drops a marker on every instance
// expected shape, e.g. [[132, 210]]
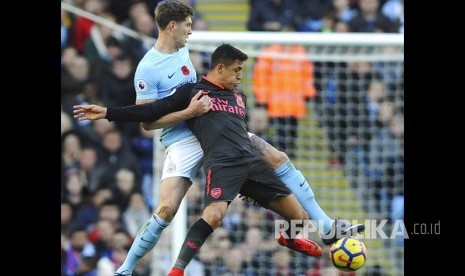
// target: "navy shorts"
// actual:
[[252, 178]]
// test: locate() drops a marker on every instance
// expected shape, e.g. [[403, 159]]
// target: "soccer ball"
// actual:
[[348, 254]]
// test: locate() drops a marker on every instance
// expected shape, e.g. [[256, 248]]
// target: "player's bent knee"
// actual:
[[213, 215], [277, 158], [166, 212], [214, 220], [281, 158], [146, 126]]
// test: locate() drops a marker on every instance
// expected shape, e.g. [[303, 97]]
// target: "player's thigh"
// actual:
[[273, 195], [288, 207], [273, 157], [263, 185], [264, 193], [172, 191], [183, 159]]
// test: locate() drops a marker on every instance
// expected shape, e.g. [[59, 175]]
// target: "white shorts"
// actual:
[[183, 158]]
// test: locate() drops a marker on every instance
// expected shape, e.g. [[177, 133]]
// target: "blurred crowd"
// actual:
[[386, 16]]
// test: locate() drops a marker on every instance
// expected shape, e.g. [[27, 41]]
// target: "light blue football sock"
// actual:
[[145, 240], [296, 182]]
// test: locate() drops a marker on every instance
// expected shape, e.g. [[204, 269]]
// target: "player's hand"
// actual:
[[89, 112], [200, 104]]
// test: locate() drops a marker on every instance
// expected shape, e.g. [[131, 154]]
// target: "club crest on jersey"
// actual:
[[239, 100], [141, 86], [171, 167], [216, 192]]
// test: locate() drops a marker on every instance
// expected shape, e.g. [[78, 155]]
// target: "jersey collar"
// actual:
[[212, 82]]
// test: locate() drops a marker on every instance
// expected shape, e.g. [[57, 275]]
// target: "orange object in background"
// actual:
[[283, 79]]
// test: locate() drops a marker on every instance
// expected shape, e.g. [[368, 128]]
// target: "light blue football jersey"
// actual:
[[156, 76]]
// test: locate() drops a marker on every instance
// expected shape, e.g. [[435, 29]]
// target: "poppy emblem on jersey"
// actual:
[[185, 70], [216, 192], [141, 85], [239, 100]]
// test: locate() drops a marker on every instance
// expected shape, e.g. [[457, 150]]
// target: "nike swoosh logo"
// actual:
[[315, 246], [301, 184], [354, 229], [340, 258], [142, 238], [169, 76]]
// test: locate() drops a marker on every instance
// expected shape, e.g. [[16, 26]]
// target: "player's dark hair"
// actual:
[[227, 55], [172, 10]]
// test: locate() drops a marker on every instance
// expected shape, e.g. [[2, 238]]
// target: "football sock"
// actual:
[[195, 238], [296, 182], [145, 240]]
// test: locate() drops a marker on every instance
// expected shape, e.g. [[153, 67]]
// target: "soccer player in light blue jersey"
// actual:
[[166, 66], [156, 76], [163, 68]]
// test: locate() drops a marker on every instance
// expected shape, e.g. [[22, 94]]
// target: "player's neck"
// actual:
[[213, 78], [165, 45]]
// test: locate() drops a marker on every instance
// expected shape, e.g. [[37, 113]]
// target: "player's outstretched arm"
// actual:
[[198, 106], [147, 112], [89, 112]]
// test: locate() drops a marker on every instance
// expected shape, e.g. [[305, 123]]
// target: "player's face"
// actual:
[[232, 75], [182, 31]]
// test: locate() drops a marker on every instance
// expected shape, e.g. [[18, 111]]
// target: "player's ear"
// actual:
[[172, 24], [220, 67]]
